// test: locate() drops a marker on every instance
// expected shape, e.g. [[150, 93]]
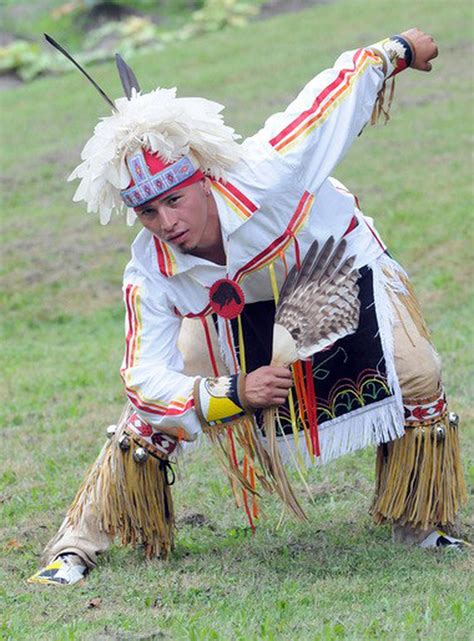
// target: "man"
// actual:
[[223, 226]]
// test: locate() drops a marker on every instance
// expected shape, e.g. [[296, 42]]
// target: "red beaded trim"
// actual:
[[156, 443], [426, 411]]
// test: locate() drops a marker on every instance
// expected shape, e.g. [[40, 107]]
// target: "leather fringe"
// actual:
[[380, 108], [266, 463], [133, 500], [419, 477], [281, 483]]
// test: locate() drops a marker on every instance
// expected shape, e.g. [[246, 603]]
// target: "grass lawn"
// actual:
[[338, 577]]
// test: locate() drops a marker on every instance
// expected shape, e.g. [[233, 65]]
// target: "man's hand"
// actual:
[[424, 48], [267, 386]]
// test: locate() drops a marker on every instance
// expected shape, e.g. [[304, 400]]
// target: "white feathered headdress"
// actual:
[[158, 122], [161, 123]]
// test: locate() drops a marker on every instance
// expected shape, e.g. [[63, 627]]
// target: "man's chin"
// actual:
[[187, 249]]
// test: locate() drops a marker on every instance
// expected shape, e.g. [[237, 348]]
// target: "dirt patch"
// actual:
[[9, 81], [195, 519], [103, 12]]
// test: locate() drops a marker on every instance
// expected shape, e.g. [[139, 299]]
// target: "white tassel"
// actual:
[[366, 426]]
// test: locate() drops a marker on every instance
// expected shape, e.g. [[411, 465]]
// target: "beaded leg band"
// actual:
[[419, 477]]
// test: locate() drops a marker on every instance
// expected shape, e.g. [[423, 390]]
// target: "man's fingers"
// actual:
[[283, 376], [424, 48], [283, 384], [281, 371], [280, 398], [432, 50], [268, 386], [281, 380]]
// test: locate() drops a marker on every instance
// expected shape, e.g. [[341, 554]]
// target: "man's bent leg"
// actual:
[[73, 551], [123, 494], [94, 516], [420, 484]]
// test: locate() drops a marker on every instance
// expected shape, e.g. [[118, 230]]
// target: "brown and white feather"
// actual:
[[319, 304]]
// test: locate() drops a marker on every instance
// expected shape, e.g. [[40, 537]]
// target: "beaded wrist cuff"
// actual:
[[398, 50], [220, 400]]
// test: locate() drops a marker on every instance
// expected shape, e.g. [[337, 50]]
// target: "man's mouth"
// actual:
[[177, 238]]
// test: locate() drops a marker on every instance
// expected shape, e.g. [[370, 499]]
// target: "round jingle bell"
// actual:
[[124, 442], [111, 430], [439, 433], [453, 419], [140, 455]]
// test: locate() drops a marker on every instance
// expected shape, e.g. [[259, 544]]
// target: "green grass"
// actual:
[[338, 577]]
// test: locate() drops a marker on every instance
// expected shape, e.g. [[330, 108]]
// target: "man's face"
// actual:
[[180, 218]]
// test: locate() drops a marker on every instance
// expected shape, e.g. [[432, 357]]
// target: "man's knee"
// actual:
[[417, 362], [419, 370]]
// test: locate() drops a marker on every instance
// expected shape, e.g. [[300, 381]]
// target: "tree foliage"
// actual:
[[137, 29]]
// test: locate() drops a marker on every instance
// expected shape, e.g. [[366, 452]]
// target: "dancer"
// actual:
[[224, 226]]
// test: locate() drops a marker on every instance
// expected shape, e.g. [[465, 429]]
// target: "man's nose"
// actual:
[[168, 219]]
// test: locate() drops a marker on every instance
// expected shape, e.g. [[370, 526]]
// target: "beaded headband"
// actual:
[[147, 186]]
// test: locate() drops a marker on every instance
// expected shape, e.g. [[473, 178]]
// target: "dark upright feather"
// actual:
[[57, 46], [332, 263], [128, 78], [306, 266]]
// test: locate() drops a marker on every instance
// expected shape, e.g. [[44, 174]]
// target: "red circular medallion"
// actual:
[[226, 298]]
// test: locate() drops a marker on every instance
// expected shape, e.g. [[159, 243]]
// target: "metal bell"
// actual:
[[453, 419], [110, 431], [124, 442], [440, 433], [140, 455]]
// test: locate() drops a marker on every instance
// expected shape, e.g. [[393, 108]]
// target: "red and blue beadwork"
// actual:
[[152, 177]]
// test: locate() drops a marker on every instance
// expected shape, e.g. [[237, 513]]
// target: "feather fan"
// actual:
[[318, 305]]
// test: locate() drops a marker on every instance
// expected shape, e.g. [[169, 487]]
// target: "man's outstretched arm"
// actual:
[[312, 135]]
